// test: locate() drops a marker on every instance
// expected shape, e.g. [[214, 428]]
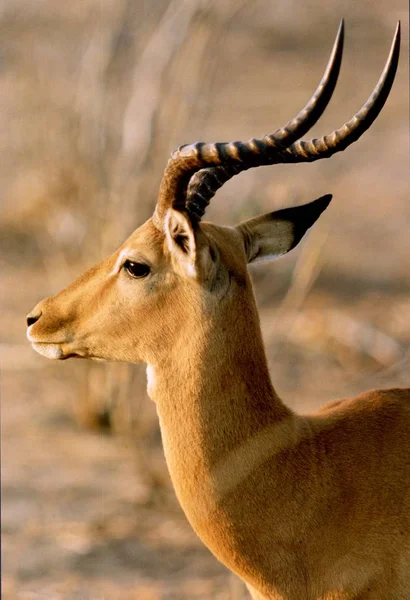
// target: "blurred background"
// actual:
[[94, 97]]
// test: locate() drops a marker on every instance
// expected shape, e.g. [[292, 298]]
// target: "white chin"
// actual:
[[52, 351]]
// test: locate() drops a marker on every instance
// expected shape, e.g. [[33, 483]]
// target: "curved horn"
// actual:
[[180, 169], [205, 183], [351, 131], [216, 163], [311, 113]]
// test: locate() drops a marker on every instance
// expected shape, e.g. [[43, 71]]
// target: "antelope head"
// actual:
[[176, 273]]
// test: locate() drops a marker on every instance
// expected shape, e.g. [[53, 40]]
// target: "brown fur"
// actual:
[[313, 507]]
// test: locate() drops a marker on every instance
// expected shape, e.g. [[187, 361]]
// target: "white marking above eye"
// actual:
[[119, 262], [126, 254]]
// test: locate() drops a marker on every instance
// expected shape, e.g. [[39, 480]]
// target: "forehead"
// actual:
[[146, 240]]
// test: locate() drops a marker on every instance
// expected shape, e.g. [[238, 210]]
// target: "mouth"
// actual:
[[61, 350], [52, 351]]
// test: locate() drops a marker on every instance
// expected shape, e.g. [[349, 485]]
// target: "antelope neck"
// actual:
[[217, 407]]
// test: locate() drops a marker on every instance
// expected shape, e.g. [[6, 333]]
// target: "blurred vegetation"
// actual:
[[94, 98]]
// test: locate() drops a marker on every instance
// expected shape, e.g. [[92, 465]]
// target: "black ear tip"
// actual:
[[308, 214], [323, 202]]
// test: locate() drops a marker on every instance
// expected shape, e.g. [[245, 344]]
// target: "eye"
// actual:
[[136, 270]]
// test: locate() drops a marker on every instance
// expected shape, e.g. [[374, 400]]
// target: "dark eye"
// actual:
[[136, 269]]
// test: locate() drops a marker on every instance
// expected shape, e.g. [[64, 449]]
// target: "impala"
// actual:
[[301, 507]]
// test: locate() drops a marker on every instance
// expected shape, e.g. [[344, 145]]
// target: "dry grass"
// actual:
[[94, 97]]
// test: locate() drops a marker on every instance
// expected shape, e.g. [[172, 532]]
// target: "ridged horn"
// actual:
[[180, 170], [351, 131], [195, 172]]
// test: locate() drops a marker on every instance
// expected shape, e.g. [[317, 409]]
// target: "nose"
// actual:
[[33, 317]]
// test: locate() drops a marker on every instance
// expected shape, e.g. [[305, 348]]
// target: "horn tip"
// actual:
[[395, 47], [341, 31]]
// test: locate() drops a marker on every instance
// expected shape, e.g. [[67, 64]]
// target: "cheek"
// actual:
[[99, 314], [133, 307], [132, 320]]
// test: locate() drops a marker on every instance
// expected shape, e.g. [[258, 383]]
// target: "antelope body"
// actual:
[[301, 507]]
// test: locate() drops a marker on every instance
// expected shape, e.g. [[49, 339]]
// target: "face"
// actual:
[[135, 303], [162, 286]]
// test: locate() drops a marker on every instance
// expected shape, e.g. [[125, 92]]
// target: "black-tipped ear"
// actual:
[[274, 234]]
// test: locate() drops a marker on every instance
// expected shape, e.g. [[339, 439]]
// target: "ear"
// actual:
[[274, 234], [181, 241]]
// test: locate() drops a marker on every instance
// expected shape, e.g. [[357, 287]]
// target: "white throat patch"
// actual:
[[150, 381]]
